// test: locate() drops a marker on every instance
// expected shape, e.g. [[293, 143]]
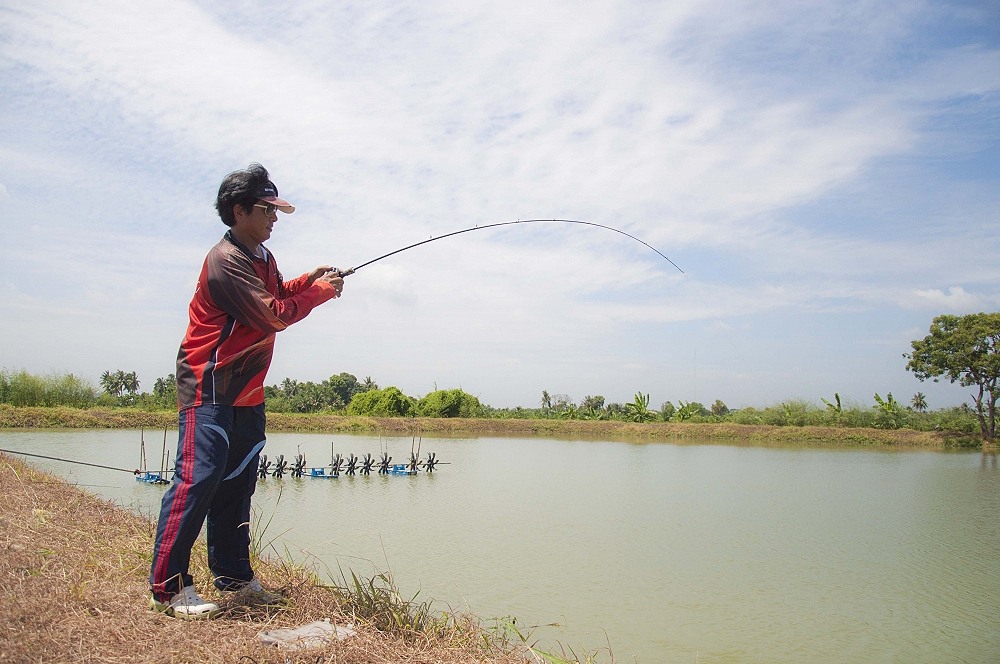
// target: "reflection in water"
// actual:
[[669, 553]]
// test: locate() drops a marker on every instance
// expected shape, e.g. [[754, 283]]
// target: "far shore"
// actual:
[[61, 417]]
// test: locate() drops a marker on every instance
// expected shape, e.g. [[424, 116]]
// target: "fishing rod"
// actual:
[[346, 273], [82, 463]]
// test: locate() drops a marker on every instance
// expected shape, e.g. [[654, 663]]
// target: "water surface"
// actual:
[[660, 552]]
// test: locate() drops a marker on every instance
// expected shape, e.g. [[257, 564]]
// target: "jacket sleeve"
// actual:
[[296, 285], [236, 289]]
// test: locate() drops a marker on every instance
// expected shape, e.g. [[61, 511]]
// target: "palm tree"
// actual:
[[130, 382], [111, 383], [919, 402]]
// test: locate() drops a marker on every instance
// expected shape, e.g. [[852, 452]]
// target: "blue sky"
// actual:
[[826, 174]]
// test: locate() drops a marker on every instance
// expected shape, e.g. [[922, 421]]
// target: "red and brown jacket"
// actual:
[[240, 302]]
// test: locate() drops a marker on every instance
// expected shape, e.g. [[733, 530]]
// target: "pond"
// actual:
[[653, 552]]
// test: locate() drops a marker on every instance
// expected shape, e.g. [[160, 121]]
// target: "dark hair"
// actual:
[[238, 188]]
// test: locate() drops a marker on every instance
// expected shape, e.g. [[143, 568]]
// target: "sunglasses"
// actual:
[[269, 208]]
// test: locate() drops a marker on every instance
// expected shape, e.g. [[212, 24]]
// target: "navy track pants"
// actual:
[[215, 475]]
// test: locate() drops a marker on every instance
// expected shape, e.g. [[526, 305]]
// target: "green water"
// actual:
[[652, 552]]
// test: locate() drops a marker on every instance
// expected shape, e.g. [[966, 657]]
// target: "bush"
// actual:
[[959, 418], [449, 403], [863, 418], [387, 402], [24, 389]]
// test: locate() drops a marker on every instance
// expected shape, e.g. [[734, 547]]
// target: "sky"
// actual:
[[826, 175]]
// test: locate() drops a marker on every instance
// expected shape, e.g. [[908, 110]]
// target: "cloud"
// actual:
[[810, 160], [954, 300]]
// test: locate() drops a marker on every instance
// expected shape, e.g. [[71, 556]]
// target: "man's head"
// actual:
[[247, 188]]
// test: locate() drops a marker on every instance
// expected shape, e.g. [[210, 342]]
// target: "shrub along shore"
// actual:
[[12, 417]]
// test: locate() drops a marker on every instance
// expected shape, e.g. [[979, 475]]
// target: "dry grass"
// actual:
[[73, 588]]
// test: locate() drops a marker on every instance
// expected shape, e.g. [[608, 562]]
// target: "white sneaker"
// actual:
[[186, 605], [254, 593]]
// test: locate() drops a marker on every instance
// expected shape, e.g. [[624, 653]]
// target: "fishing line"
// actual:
[[351, 271], [82, 463]]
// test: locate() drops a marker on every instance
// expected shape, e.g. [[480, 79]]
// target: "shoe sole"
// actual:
[[168, 610]]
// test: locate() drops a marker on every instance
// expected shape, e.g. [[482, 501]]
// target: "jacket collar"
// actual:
[[239, 245]]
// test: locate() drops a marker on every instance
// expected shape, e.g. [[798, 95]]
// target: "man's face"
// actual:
[[257, 224]]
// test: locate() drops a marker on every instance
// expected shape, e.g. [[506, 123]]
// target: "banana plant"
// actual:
[[687, 410], [890, 411], [638, 410]]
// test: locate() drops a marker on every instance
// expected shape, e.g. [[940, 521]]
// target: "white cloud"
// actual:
[[790, 157], [954, 300]]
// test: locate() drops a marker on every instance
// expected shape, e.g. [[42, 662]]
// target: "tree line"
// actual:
[[344, 394], [961, 349]]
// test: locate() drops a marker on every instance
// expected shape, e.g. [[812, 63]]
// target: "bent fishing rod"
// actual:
[[346, 273]]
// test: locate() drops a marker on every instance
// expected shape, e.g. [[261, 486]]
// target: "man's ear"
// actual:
[[239, 213]]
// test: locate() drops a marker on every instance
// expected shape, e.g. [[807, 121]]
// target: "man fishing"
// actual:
[[240, 302]]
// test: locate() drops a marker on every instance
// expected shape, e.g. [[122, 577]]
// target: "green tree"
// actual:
[[310, 397], [966, 350], [592, 403], [124, 387], [919, 402], [165, 391], [110, 383], [449, 403], [341, 388], [387, 402], [720, 409]]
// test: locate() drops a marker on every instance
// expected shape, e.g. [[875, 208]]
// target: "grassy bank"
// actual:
[[73, 588], [757, 434]]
